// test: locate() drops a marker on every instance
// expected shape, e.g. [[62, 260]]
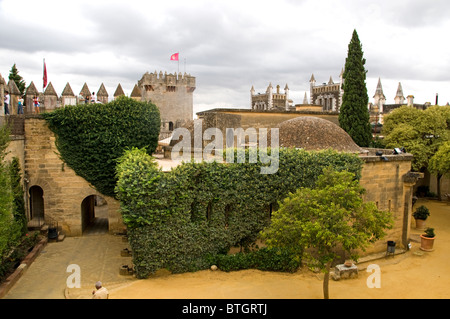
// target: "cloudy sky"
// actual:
[[228, 45]]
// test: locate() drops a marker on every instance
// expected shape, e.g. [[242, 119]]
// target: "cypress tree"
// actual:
[[14, 75], [354, 114]]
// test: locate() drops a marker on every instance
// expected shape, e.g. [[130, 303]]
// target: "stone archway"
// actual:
[[94, 215], [37, 217]]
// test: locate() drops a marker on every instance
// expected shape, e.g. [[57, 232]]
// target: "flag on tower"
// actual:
[[174, 57], [45, 75]]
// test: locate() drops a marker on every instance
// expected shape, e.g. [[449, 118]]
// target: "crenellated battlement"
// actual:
[[152, 81]]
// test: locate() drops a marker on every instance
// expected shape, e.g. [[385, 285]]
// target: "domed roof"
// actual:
[[313, 133]]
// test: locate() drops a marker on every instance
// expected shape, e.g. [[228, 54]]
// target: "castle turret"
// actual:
[[50, 97], [399, 98], [14, 94], [102, 94], [379, 98], [312, 84], [67, 96], [269, 92], [119, 91], [286, 93], [172, 94], [305, 99], [85, 92], [30, 93]]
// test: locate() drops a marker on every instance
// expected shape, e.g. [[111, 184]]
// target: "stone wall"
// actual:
[[389, 183], [245, 118], [63, 190]]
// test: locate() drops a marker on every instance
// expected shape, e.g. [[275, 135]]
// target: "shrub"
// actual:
[[422, 212], [267, 259]]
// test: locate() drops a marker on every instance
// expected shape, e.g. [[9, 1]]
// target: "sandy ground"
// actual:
[[413, 275]]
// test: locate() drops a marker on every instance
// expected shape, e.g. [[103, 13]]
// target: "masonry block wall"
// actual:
[[63, 190], [386, 185]]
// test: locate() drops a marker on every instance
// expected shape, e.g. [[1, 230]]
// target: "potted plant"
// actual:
[[427, 239], [420, 215]]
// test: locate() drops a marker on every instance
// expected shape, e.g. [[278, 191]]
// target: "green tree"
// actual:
[[354, 114], [440, 164], [18, 194], [420, 132], [14, 75], [318, 223], [9, 230]]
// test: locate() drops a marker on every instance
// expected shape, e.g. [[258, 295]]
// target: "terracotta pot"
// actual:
[[426, 243], [420, 223]]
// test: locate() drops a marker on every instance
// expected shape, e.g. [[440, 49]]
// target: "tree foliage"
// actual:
[[181, 219], [420, 132], [91, 137], [14, 75], [318, 222], [354, 114], [440, 164], [10, 230]]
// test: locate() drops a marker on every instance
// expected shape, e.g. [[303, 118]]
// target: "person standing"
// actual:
[[36, 104], [101, 292], [93, 97], [7, 100], [20, 105]]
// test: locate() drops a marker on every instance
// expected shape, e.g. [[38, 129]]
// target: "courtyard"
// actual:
[[412, 275]]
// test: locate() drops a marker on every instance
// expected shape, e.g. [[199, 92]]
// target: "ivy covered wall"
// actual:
[[90, 137], [181, 220]]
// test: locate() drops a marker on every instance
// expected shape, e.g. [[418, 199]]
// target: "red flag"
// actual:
[[45, 75], [174, 57]]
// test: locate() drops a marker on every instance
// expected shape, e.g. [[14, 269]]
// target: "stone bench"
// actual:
[[345, 272]]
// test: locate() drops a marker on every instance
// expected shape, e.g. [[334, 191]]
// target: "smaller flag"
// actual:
[[174, 57], [45, 75]]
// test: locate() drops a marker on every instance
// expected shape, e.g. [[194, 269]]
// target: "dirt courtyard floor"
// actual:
[[412, 275]]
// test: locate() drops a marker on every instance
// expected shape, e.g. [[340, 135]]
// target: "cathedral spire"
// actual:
[[399, 98], [379, 91]]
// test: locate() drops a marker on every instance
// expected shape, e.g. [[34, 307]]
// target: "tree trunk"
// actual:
[[326, 280], [439, 176]]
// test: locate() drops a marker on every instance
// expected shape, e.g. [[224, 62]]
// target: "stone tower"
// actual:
[[173, 95], [328, 95], [270, 100], [379, 98], [399, 98]]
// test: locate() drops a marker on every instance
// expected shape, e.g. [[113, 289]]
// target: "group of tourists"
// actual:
[[20, 104], [89, 99]]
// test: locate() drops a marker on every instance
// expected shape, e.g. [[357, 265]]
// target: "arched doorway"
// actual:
[[36, 206], [94, 215]]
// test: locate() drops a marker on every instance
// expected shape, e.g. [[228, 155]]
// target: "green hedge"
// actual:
[[90, 137], [177, 219], [267, 259]]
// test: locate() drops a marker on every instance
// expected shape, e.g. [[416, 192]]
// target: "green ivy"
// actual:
[[177, 219], [90, 137]]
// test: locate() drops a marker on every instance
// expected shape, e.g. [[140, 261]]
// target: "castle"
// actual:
[[327, 97], [171, 93], [53, 191]]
